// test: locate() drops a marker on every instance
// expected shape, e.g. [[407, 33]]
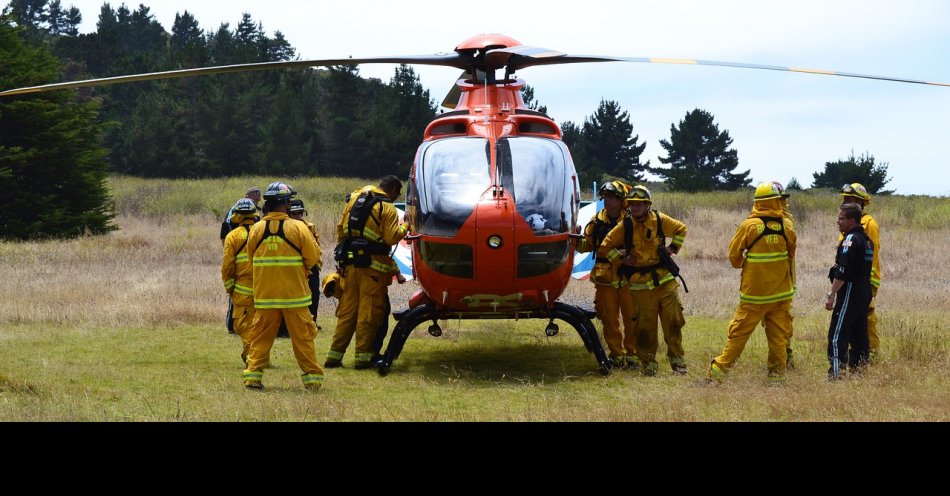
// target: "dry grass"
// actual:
[[128, 327]]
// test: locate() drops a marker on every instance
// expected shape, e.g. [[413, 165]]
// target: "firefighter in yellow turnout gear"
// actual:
[[612, 300], [764, 248], [298, 211], [789, 220], [282, 252], [366, 233], [652, 285], [857, 193], [236, 271]]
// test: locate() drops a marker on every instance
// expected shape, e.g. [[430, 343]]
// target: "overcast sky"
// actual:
[[783, 124]]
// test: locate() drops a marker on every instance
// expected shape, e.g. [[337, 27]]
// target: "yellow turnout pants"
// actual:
[[302, 332], [873, 338], [778, 326], [243, 319], [361, 310], [661, 303], [613, 305]]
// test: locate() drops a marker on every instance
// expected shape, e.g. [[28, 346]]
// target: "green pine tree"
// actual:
[[62, 21], [51, 162], [699, 156], [344, 98], [401, 113], [188, 44], [290, 142], [861, 169], [609, 145], [573, 138]]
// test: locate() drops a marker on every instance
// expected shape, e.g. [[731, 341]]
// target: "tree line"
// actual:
[[322, 122], [699, 155], [297, 121]]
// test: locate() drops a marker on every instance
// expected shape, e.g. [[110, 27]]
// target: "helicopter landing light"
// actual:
[[495, 242]]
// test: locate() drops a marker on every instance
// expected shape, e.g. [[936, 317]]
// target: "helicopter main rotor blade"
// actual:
[[512, 59], [451, 59], [520, 57]]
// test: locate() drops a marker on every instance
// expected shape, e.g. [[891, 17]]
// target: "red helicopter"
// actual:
[[493, 197]]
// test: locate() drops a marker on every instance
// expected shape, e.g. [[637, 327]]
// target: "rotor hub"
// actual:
[[487, 41]]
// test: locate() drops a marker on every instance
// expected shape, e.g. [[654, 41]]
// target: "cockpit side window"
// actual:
[[536, 173]]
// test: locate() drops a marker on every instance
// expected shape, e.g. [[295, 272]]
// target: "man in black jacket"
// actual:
[[850, 294]]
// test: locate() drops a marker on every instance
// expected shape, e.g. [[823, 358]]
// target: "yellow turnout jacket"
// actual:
[[645, 243], [236, 267], [382, 226], [279, 269], [316, 237], [594, 233], [767, 267]]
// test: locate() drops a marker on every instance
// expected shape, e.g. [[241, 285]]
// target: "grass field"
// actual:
[[129, 327]]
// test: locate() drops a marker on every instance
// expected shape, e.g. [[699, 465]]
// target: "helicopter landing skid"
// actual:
[[579, 318]]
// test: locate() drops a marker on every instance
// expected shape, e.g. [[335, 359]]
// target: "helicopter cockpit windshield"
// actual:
[[453, 174], [535, 171]]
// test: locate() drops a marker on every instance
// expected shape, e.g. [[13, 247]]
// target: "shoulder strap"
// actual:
[[768, 230], [280, 234], [665, 259], [361, 211], [600, 231], [280, 230], [659, 228], [238, 251], [628, 233]]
